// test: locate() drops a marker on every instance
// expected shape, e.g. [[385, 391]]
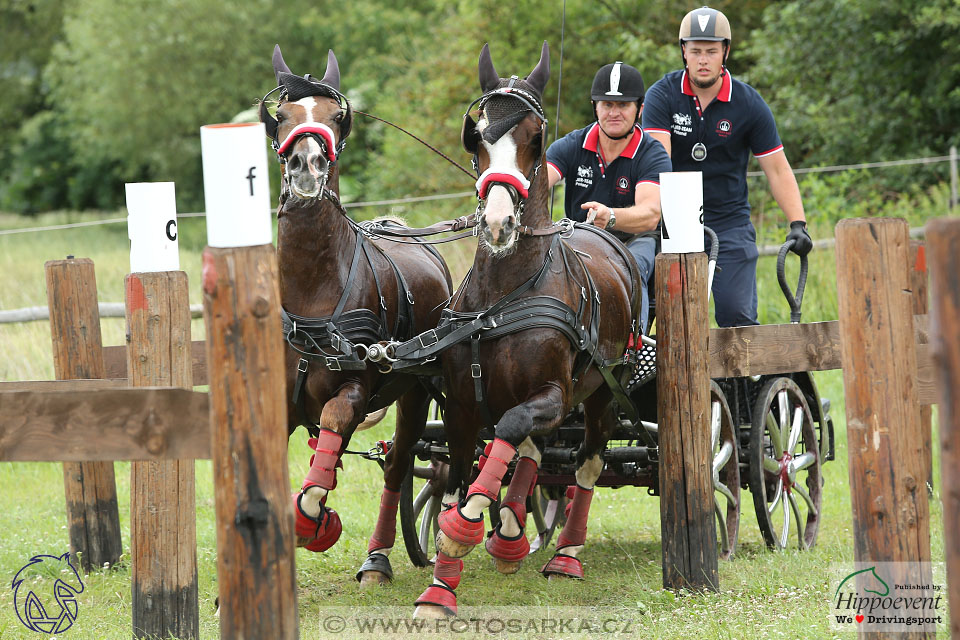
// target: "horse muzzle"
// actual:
[[500, 221]]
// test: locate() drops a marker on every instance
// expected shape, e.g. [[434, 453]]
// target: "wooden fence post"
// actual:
[[248, 421], [91, 488], [163, 527], [891, 519], [943, 238], [918, 284], [687, 525]]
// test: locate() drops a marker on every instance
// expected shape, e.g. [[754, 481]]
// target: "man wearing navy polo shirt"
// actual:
[[612, 170], [709, 122]]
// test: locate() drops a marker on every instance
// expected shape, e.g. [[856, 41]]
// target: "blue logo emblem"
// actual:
[[41, 613]]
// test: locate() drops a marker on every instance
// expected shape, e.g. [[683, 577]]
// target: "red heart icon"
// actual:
[[860, 618]]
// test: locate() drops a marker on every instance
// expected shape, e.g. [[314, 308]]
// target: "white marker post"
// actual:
[[236, 185], [152, 227], [681, 206]]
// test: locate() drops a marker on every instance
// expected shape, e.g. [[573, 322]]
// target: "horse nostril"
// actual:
[[295, 163]]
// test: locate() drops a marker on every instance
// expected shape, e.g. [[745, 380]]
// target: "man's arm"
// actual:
[[783, 185], [552, 175], [662, 138], [642, 216]]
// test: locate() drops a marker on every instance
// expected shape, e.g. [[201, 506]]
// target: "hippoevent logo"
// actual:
[[45, 593], [888, 597]]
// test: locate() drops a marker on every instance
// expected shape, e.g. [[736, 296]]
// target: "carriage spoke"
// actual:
[[783, 402], [795, 429], [722, 457], [721, 521], [725, 490], [776, 438], [771, 465], [804, 460], [776, 496], [796, 514], [785, 532], [715, 423], [806, 498], [425, 492], [426, 522]]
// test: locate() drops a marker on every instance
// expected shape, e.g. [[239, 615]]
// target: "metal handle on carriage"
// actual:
[[793, 299]]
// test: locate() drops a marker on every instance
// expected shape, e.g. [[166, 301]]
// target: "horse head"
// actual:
[[508, 142], [311, 124]]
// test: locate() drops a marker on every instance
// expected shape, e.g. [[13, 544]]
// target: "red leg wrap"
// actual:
[[324, 530], [491, 475], [563, 565], [448, 570], [459, 528], [524, 477], [440, 596], [575, 530], [323, 465], [385, 533], [509, 549]]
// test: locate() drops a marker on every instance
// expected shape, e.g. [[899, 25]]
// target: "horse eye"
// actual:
[[338, 118]]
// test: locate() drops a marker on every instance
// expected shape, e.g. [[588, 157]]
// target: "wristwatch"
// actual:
[[612, 222]]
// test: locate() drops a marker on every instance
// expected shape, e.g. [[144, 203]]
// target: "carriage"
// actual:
[[747, 419]]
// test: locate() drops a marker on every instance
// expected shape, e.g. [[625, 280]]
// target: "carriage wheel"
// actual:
[[726, 472], [548, 506], [784, 466], [421, 495]]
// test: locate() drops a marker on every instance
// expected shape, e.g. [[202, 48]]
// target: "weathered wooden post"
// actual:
[[943, 239], [891, 519], [248, 400], [687, 525], [918, 284], [91, 488]]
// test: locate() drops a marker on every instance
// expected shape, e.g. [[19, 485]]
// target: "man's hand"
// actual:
[[798, 233], [597, 214]]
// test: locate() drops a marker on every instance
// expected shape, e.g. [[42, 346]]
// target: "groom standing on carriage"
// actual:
[[612, 170]]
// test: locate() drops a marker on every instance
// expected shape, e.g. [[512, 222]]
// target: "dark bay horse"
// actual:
[[340, 292], [566, 301]]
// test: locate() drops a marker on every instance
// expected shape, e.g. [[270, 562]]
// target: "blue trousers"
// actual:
[[735, 279], [643, 250]]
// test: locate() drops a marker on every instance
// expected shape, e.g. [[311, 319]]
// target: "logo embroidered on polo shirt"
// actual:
[[682, 123], [584, 176], [623, 185], [724, 128]]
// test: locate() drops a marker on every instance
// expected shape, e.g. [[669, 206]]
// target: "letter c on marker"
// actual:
[[172, 230]]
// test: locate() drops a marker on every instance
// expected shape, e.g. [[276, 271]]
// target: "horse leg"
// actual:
[[461, 528], [439, 599], [412, 410], [508, 545], [318, 527], [600, 419]]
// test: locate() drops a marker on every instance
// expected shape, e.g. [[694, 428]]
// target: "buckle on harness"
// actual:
[[335, 341], [410, 297], [475, 370], [302, 365], [333, 364], [431, 334]]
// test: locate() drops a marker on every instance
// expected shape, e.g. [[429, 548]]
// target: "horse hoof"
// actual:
[[431, 612], [452, 548], [506, 567], [373, 579]]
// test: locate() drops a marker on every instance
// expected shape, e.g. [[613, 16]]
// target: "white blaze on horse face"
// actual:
[[499, 207]]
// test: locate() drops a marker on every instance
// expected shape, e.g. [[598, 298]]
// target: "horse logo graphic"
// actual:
[[683, 119], [33, 613]]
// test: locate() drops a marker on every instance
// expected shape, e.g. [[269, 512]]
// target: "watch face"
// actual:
[[699, 152]]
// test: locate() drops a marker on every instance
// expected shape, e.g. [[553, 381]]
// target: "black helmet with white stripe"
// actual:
[[617, 82]]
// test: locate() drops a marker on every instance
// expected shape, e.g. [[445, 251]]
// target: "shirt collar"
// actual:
[[726, 86], [592, 140]]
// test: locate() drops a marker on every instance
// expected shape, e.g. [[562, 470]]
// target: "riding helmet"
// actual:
[[705, 24], [617, 82]]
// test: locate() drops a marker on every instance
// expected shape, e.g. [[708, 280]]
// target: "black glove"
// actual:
[[798, 233]]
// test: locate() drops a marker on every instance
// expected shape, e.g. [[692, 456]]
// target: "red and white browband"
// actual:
[[507, 176], [317, 128]]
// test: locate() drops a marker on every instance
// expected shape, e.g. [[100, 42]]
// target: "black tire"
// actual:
[[419, 499], [775, 479]]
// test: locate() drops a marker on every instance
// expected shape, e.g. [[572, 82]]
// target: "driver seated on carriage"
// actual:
[[612, 170]]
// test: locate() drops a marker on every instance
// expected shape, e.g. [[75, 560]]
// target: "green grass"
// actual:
[[762, 594]]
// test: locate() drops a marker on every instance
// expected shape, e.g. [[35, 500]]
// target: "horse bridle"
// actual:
[[512, 182]]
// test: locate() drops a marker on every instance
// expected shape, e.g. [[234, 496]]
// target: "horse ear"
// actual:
[[332, 75], [279, 66], [489, 79], [541, 73]]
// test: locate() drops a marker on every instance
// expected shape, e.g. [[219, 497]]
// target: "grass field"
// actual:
[[762, 594]]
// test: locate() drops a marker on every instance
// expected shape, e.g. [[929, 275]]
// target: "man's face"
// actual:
[[616, 118], [704, 60]]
